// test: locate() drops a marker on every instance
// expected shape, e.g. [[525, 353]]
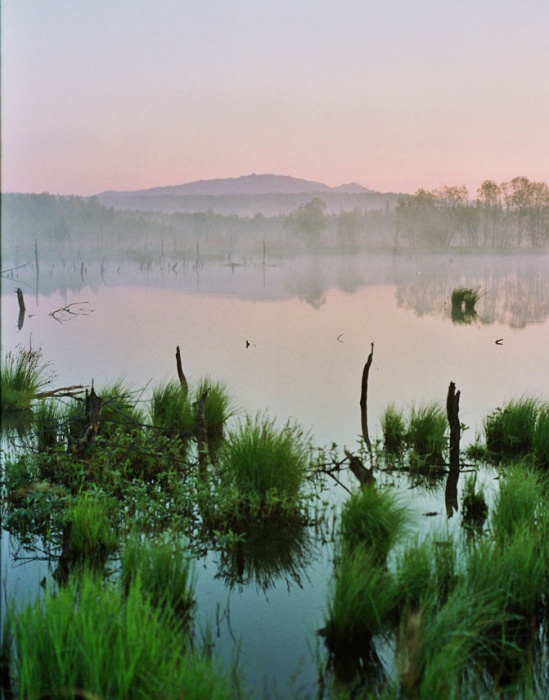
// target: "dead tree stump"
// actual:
[[452, 412]]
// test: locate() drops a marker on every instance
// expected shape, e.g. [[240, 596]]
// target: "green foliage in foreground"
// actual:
[[23, 374], [90, 640], [163, 570], [466, 612]]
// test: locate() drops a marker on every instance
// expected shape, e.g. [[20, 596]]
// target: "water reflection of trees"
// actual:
[[515, 293]]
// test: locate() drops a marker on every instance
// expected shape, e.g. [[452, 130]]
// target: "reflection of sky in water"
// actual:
[[309, 341], [303, 363]]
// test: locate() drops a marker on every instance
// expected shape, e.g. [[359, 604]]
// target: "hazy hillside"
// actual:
[[270, 195], [245, 185]]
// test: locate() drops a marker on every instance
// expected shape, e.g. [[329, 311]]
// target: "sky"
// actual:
[[393, 94]]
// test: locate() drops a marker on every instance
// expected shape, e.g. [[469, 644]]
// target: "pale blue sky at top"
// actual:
[[396, 95]]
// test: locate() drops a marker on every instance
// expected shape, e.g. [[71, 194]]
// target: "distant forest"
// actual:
[[512, 214]]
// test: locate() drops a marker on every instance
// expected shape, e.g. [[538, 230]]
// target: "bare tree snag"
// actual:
[[365, 476], [452, 412], [93, 416], [364, 398], [180, 374]]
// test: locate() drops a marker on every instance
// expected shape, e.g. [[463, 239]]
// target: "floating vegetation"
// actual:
[[464, 301], [474, 509]]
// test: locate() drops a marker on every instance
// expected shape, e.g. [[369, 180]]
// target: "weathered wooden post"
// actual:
[[364, 398], [452, 412], [180, 374]]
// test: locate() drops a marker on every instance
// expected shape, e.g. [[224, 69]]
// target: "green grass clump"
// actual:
[[426, 433], [23, 374], [541, 437], [88, 640], [363, 599], [373, 519], [509, 432], [171, 410], [520, 502], [163, 571], [119, 410], [217, 405], [266, 464], [91, 533], [393, 427]]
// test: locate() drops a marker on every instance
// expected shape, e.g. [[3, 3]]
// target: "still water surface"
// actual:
[[290, 338]]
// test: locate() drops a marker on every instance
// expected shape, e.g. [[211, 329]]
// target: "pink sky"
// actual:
[[395, 95]]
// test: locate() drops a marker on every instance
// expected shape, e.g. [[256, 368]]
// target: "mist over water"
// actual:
[[287, 326]]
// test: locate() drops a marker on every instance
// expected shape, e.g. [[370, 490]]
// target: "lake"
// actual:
[[290, 338]]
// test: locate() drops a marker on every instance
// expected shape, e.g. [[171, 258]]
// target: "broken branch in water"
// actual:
[[62, 391], [82, 311]]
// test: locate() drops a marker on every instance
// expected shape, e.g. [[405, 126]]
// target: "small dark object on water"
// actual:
[[431, 514], [499, 341], [247, 343]]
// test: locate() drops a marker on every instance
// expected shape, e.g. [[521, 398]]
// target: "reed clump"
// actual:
[[373, 519], [89, 640], [509, 431], [426, 432], [267, 465], [393, 426], [23, 373]]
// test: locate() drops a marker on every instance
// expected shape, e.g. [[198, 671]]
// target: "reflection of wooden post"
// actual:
[[364, 398], [180, 374], [21, 301], [452, 412]]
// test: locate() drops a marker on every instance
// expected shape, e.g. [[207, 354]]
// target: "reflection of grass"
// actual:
[[269, 551], [464, 301], [163, 571]]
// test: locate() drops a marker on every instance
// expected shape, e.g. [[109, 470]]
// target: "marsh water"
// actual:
[[289, 337]]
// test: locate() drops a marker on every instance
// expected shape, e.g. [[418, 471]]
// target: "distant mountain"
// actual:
[[245, 185]]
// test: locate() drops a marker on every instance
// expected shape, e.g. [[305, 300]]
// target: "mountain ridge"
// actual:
[[244, 185]]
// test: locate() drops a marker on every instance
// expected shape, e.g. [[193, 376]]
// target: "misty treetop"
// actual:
[[511, 214]]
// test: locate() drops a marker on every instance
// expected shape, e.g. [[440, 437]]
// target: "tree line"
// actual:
[[509, 214]]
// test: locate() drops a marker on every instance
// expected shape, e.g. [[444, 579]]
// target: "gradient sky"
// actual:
[[393, 94]]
